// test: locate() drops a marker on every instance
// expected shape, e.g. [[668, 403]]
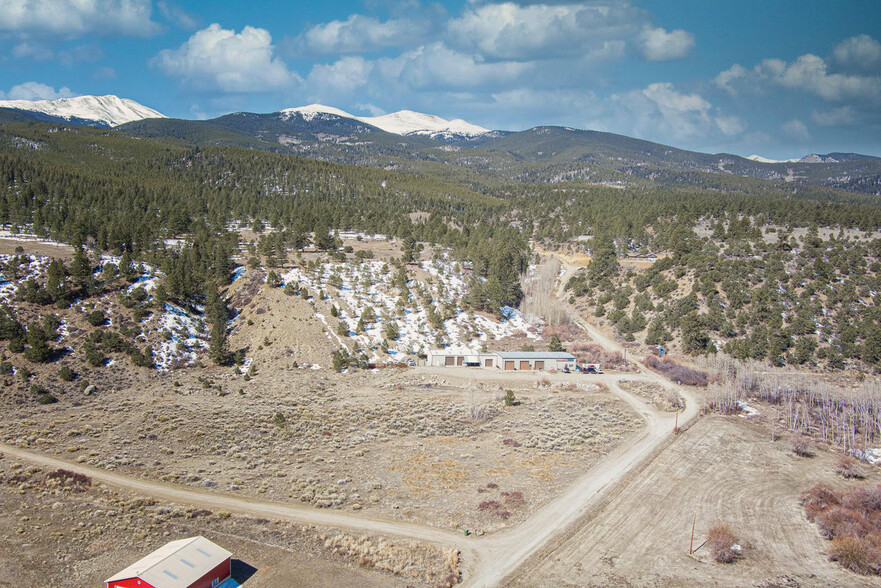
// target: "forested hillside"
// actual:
[[737, 288]]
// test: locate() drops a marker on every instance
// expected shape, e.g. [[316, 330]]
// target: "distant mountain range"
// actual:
[[424, 143], [103, 111]]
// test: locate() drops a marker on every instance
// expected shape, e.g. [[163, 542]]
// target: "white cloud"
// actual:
[[359, 34], [78, 18], [809, 73], [659, 45], [36, 91], [438, 66], [174, 13], [345, 76], [843, 116], [543, 31], [796, 130], [217, 58], [105, 73], [858, 54], [734, 73], [662, 113]]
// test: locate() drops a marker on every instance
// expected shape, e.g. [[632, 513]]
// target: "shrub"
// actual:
[[510, 442], [851, 520], [46, 398], [817, 499], [96, 318], [676, 372], [509, 398], [720, 540], [68, 478], [857, 555], [801, 446], [848, 467]]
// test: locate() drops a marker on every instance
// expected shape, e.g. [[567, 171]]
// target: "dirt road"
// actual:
[[488, 560], [239, 504], [501, 555], [720, 470]]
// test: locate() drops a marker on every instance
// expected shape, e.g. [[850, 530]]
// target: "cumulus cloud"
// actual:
[[844, 116], [343, 77], [860, 54], [359, 34], [177, 15], [541, 31], [36, 91], [796, 130], [659, 45], [217, 58], [71, 19], [661, 112], [809, 73], [434, 67]]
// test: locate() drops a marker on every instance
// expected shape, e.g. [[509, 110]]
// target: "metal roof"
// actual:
[[176, 564], [536, 355]]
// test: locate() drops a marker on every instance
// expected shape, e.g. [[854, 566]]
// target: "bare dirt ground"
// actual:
[[73, 535], [723, 469], [411, 444], [370, 478]]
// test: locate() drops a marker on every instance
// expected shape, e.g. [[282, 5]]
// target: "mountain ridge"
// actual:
[[107, 111]]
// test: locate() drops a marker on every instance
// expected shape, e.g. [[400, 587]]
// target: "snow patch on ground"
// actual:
[[746, 411], [352, 287], [188, 335]]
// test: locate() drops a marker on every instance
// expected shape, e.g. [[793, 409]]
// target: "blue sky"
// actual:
[[781, 78]]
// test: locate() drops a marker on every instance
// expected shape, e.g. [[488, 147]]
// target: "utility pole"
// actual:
[[691, 548]]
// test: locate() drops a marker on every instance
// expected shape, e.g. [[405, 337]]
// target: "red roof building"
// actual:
[[186, 563]]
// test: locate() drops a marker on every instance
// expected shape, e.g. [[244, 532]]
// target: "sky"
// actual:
[[778, 78]]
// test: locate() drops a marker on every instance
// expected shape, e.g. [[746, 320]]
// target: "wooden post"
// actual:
[[691, 547], [676, 423]]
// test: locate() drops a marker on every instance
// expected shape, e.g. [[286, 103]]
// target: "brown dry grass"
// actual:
[[852, 520], [720, 540]]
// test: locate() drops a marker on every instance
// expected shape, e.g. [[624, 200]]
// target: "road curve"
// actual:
[[501, 555], [243, 505], [490, 559]]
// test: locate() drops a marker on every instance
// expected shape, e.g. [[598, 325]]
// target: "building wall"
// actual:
[[220, 573]]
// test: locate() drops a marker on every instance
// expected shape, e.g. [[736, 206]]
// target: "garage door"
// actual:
[[460, 360], [524, 365], [539, 366], [488, 363], [450, 360], [509, 365]]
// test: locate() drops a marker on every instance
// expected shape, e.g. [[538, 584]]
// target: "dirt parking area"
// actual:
[[723, 469]]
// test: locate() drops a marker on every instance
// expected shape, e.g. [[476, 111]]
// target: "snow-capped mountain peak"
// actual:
[[105, 110], [403, 122], [313, 110]]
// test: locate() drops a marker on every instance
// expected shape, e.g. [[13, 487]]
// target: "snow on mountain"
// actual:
[[760, 159], [812, 158], [108, 110], [403, 122]]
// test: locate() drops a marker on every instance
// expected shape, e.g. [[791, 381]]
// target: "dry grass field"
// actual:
[[722, 470]]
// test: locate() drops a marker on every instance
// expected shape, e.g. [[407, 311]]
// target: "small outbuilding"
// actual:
[[452, 358], [195, 562], [535, 360]]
